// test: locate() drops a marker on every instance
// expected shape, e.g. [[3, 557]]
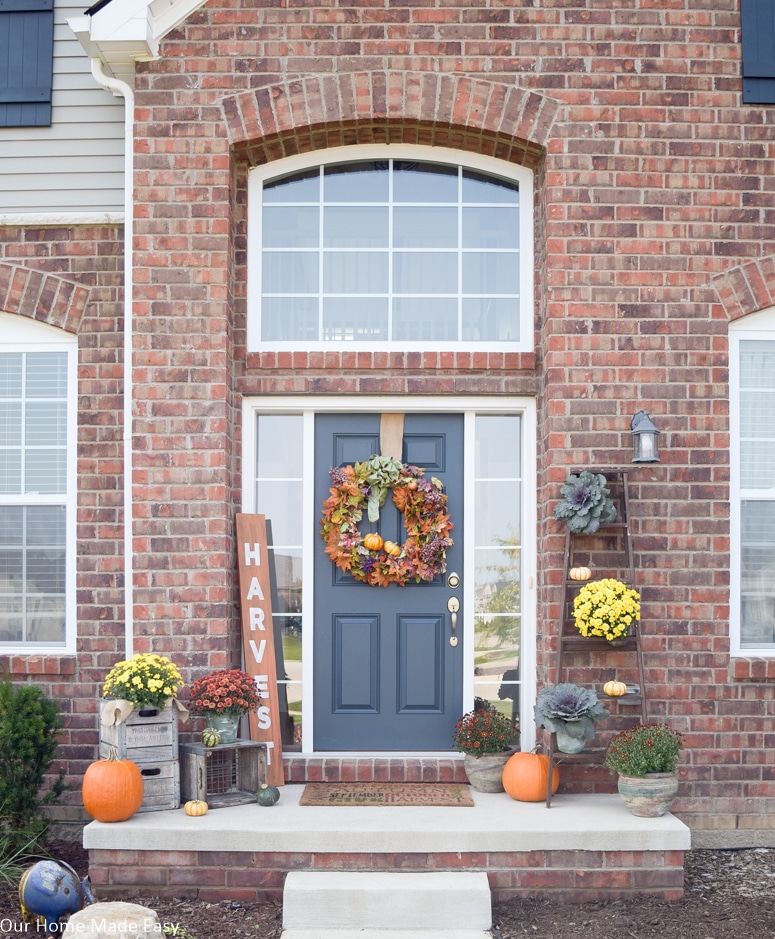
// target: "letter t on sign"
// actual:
[[258, 638]]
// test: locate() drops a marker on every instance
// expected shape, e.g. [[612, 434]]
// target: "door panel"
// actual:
[[386, 676], [421, 685], [356, 663]]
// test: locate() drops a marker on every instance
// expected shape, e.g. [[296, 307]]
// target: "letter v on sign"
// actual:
[[258, 638]]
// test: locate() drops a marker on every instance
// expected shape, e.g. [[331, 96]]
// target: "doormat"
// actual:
[[374, 793]]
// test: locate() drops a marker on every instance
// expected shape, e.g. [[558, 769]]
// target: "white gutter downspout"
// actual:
[[123, 90]]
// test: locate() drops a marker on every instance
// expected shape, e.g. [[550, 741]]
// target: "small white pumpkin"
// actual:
[[196, 807], [579, 573]]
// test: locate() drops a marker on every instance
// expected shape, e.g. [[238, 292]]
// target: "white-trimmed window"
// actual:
[[37, 486], [752, 421], [397, 247]]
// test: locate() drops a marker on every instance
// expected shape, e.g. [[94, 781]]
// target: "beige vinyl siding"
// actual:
[[76, 165]]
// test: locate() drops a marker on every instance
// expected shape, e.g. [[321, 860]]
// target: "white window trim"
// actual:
[[20, 334], [469, 407], [755, 326], [441, 155]]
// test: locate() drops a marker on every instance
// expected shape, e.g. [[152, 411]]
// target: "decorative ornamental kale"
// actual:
[[585, 504], [569, 707]]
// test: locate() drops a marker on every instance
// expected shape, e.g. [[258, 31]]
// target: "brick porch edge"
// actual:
[[249, 876]]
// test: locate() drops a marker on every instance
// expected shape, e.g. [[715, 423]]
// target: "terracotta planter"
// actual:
[[485, 773], [648, 796]]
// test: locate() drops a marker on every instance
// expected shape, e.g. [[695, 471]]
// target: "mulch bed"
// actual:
[[729, 894]]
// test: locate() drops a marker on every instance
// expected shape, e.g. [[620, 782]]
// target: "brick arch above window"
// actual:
[[490, 117], [747, 288], [42, 296]]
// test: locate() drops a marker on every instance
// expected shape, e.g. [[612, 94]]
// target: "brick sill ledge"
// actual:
[[374, 767]]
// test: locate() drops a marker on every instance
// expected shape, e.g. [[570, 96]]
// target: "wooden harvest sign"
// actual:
[[258, 638]]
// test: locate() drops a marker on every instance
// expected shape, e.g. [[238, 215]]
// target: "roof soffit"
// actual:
[[122, 32]]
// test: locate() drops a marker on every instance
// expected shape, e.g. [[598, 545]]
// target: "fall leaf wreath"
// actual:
[[423, 504]]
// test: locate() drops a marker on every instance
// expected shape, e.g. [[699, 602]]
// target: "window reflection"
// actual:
[[32, 574], [497, 554], [279, 472]]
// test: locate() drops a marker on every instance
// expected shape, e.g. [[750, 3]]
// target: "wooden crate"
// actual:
[[228, 774], [161, 786], [146, 736]]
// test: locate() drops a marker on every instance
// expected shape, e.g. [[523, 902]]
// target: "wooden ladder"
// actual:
[[620, 563]]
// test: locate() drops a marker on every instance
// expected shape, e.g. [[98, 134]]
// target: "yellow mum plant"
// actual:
[[144, 679], [606, 608]]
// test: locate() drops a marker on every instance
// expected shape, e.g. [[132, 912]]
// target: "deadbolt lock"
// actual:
[[453, 580]]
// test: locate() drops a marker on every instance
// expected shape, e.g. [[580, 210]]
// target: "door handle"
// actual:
[[453, 605]]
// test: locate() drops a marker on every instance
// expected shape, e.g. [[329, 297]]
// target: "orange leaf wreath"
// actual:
[[423, 504]]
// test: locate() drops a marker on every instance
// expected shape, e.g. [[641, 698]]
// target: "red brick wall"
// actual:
[[72, 277], [246, 876], [652, 179], [653, 228]]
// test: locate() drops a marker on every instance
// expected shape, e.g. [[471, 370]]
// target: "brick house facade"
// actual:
[[653, 231]]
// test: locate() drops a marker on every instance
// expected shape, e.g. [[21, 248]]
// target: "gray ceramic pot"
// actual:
[[648, 796]]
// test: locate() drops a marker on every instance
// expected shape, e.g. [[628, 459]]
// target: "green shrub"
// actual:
[[29, 726]]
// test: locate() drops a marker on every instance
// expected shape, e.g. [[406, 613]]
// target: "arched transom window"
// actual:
[[390, 249]]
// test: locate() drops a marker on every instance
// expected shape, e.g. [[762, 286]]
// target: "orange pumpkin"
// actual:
[[372, 541], [526, 775], [614, 689], [112, 789], [392, 548]]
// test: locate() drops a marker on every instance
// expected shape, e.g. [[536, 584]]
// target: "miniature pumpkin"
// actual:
[[372, 541], [392, 549], [579, 573], [526, 775], [196, 807], [614, 689], [112, 789], [267, 795], [211, 737]]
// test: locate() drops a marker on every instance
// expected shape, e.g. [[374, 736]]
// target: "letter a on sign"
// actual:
[[258, 638]]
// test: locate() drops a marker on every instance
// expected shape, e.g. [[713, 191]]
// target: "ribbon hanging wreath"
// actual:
[[423, 504]]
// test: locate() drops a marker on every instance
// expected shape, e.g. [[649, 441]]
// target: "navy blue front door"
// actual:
[[386, 675]]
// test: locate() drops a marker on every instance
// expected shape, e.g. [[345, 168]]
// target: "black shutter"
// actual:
[[26, 61], [758, 31]]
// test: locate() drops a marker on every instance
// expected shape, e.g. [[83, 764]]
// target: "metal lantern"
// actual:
[[645, 447]]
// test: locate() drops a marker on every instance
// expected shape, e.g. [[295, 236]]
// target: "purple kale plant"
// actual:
[[585, 503]]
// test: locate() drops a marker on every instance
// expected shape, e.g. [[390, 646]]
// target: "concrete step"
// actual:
[[386, 934], [322, 904]]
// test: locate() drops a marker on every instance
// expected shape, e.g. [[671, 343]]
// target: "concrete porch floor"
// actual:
[[583, 847]]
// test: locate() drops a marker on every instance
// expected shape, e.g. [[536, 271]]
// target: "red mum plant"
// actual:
[[228, 691], [646, 748], [483, 730]]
